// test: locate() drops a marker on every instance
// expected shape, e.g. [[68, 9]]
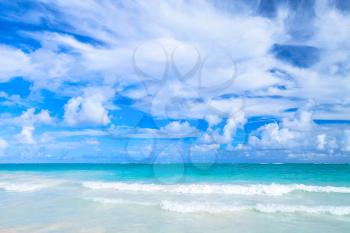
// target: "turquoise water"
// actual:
[[174, 198]]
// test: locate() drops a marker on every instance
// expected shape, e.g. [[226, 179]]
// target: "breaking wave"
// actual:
[[194, 207], [228, 189], [218, 208], [118, 201], [26, 186]]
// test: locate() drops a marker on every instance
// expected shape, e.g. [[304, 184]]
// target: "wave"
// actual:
[[118, 201], [228, 189], [194, 207], [26, 186], [218, 208]]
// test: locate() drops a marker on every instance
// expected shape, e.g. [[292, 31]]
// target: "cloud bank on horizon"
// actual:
[[165, 81]]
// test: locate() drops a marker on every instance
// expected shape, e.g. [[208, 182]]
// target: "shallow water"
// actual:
[[175, 198]]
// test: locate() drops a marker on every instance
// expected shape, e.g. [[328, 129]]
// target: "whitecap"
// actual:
[[119, 201], [227, 189], [212, 208], [26, 186]]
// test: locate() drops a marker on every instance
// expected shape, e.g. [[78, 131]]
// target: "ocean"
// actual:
[[241, 198]]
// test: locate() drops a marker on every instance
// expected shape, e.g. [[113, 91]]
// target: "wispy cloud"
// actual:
[[100, 64]]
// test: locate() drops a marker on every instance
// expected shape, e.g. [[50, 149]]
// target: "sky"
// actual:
[[175, 81]]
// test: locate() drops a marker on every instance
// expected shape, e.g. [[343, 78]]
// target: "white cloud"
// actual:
[[346, 141], [75, 133], [26, 135], [321, 141], [91, 108], [29, 117], [13, 62], [302, 120], [295, 131], [233, 122], [212, 136], [232, 47], [28, 120], [219, 37], [177, 128], [169, 27], [273, 136], [3, 145], [43, 66], [205, 147], [300, 133], [212, 120], [12, 100]]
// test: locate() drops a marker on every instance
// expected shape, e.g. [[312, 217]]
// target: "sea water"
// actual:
[[130, 198]]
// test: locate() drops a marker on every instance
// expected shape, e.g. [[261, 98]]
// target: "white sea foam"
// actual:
[[118, 201], [228, 189], [26, 186], [212, 208], [193, 207], [218, 208]]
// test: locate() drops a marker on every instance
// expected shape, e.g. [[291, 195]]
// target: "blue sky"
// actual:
[[175, 81]]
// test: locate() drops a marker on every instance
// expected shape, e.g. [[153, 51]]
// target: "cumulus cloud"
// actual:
[[91, 108], [221, 41], [292, 132], [29, 117], [221, 35], [321, 141], [13, 62], [12, 100], [272, 135], [26, 135], [28, 120], [175, 129], [299, 132], [216, 48], [212, 120], [213, 137], [191, 60], [233, 122]]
